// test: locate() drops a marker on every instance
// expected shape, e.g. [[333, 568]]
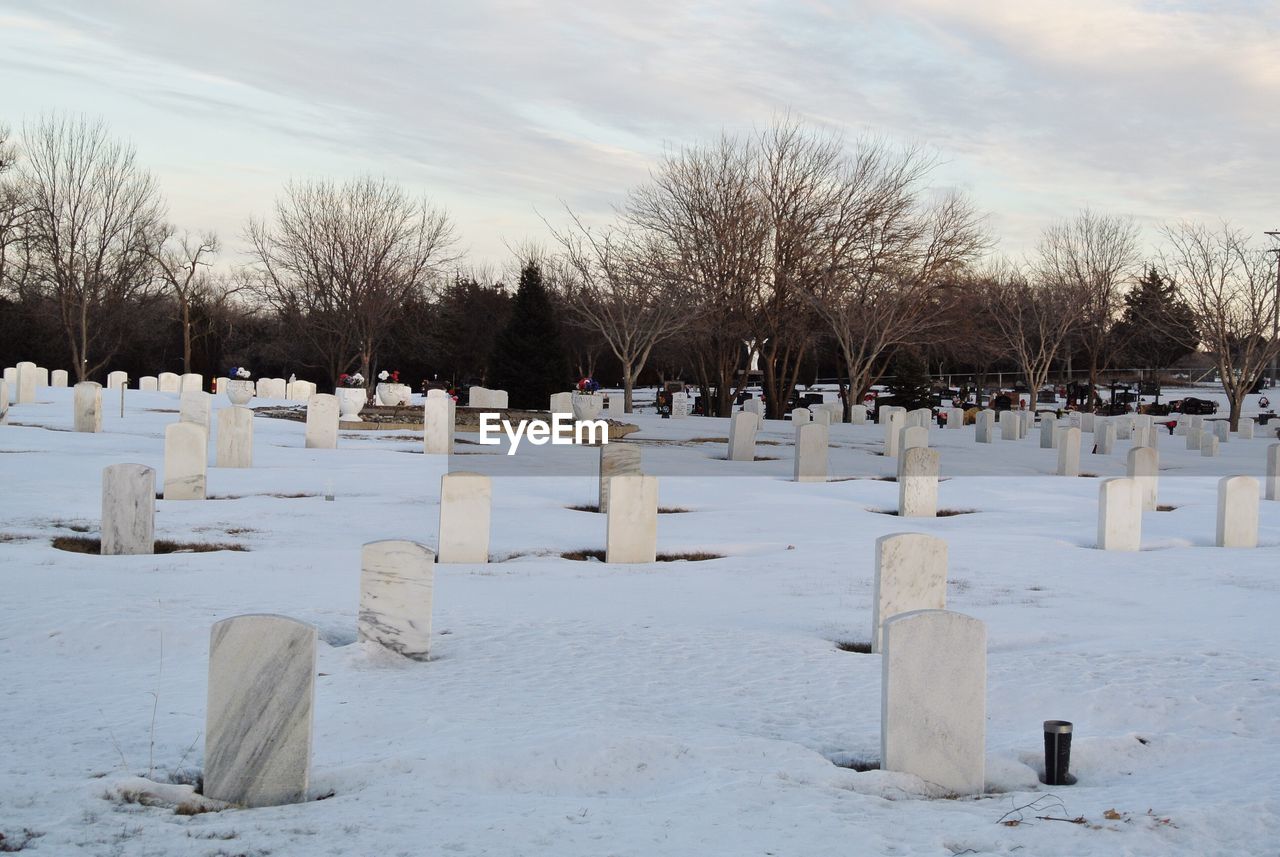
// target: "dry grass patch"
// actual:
[[598, 555], [856, 646], [85, 544]]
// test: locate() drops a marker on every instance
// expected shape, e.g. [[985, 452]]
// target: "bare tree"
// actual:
[[14, 213], [1033, 318], [702, 221], [94, 219], [1091, 256], [339, 262], [183, 267], [617, 292], [893, 250], [1230, 286]]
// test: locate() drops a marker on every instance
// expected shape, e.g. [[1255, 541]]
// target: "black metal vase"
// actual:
[[1057, 753]]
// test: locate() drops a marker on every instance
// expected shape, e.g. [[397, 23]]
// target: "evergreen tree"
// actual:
[[528, 359], [911, 386], [1158, 328]]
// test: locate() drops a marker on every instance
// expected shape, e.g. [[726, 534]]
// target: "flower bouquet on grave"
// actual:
[[390, 391], [238, 386], [586, 404], [355, 379]]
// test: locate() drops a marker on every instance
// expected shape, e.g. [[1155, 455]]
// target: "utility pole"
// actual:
[[1275, 315]]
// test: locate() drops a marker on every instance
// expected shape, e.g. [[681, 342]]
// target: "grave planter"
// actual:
[[587, 406], [393, 394], [238, 390], [1057, 753], [351, 400]]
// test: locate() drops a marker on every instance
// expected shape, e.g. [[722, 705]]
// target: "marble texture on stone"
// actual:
[[984, 426], [1069, 452], [196, 406], [465, 501], [260, 710], [234, 447], [1119, 515], [617, 458], [170, 382], [632, 530], [918, 483], [482, 397], [58, 378], [1273, 472], [933, 699], [299, 391], [1048, 426], [439, 411], [894, 422], [1237, 512], [812, 442], [128, 510], [742, 436], [87, 406], [26, 391], [913, 437], [322, 421], [397, 580], [561, 403], [1009, 425], [1104, 437], [1143, 465], [274, 388], [186, 461], [911, 574], [190, 382]]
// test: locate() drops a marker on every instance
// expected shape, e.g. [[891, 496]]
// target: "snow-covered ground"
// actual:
[[576, 708]]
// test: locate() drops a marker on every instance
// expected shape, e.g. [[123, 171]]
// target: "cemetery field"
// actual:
[[575, 708]]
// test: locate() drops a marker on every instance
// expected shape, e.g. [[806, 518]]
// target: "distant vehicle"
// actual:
[[1194, 407]]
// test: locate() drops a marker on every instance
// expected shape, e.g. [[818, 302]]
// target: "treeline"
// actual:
[[827, 257]]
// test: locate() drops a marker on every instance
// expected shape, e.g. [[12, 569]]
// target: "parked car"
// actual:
[[1194, 407]]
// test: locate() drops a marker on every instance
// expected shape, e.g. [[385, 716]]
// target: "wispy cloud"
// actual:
[[1159, 109]]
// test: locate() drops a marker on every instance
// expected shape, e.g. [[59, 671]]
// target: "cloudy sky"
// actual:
[[503, 110]]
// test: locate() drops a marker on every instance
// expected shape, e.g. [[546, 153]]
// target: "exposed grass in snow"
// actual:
[[85, 544], [588, 554]]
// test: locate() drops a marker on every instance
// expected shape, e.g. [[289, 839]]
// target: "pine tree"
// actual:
[[528, 359], [911, 386], [1158, 328]]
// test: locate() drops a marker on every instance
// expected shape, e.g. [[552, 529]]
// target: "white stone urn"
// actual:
[[587, 406], [238, 390], [350, 402], [394, 394]]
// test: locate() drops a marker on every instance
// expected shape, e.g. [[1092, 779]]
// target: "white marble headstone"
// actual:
[[1245, 428], [1143, 466], [918, 483], [397, 581], [561, 403], [128, 509], [87, 406], [858, 415], [742, 436], [812, 441], [192, 381], [322, 421], [911, 574], [186, 461], [1237, 512], [616, 459], [438, 415], [894, 422], [117, 379], [1208, 444], [1104, 437], [149, 382], [235, 437], [984, 430], [632, 531], [26, 383], [1273, 471], [170, 382], [1119, 515], [58, 378], [482, 397], [196, 406], [258, 729], [1069, 452], [933, 699], [800, 416], [465, 501]]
